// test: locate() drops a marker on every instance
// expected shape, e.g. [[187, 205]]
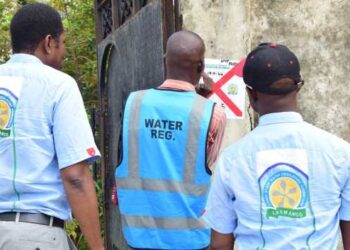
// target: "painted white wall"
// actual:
[[223, 27], [317, 31]]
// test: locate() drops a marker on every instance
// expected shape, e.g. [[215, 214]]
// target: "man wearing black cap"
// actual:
[[285, 185]]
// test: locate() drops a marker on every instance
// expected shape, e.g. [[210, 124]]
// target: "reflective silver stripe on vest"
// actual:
[[134, 125], [163, 185], [193, 137], [162, 223]]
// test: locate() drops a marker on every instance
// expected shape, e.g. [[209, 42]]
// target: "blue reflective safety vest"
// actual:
[[162, 182]]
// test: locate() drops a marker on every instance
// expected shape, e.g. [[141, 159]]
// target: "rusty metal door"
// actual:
[[131, 39]]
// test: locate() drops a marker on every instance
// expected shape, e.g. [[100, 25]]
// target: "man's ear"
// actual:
[[48, 43], [253, 98], [200, 66], [252, 94]]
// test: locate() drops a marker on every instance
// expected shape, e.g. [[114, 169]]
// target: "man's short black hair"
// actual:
[[32, 23]]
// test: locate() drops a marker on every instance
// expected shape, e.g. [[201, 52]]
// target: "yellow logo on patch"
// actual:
[[285, 192], [5, 114]]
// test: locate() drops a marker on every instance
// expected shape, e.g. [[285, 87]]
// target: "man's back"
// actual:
[[170, 136], [163, 169], [45, 140], [289, 184], [37, 105]]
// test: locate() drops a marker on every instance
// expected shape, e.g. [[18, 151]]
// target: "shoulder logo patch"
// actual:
[[285, 194], [283, 182], [10, 88], [6, 115]]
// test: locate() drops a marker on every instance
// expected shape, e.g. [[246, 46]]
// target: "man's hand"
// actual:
[[205, 89], [80, 190], [345, 231]]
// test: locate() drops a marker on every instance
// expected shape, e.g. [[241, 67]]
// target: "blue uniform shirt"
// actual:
[[285, 185], [43, 128]]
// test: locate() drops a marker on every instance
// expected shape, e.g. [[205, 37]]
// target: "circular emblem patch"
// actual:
[[285, 194], [285, 189], [6, 112]]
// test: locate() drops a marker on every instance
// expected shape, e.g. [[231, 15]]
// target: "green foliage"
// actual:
[[78, 19], [73, 229], [80, 60], [80, 63], [7, 8]]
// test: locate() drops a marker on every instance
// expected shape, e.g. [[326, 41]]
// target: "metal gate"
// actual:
[[131, 37]]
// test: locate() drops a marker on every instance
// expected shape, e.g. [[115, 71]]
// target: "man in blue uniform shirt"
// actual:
[[45, 140], [285, 185]]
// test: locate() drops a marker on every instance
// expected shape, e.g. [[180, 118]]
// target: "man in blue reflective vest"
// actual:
[[168, 134]]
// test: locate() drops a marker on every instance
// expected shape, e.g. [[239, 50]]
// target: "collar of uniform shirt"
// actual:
[[280, 117], [24, 58], [177, 84]]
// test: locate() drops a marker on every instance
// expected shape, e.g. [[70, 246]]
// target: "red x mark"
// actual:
[[238, 71]]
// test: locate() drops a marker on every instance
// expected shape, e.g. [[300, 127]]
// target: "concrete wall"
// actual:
[[223, 26], [317, 31]]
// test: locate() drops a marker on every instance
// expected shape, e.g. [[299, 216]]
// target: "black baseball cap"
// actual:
[[268, 63]]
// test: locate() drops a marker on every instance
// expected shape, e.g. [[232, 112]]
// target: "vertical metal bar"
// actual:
[[177, 16], [167, 24], [94, 131], [115, 14], [98, 24], [168, 18], [137, 5], [104, 138]]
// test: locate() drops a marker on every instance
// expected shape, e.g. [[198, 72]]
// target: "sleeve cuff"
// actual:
[[84, 157], [218, 227], [344, 214]]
